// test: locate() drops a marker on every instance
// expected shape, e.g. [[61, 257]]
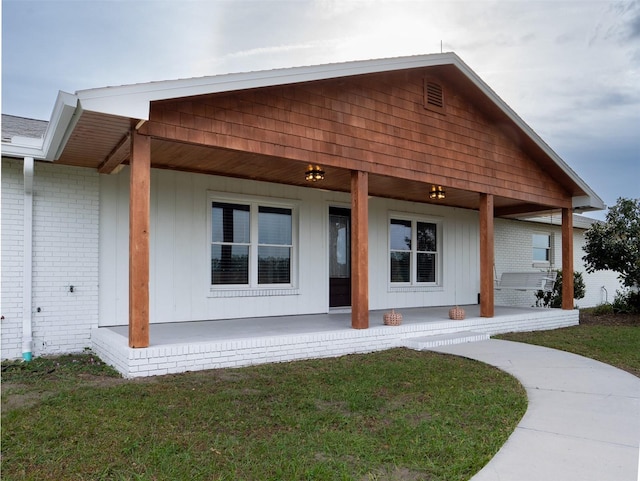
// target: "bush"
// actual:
[[554, 298], [627, 302], [602, 309]]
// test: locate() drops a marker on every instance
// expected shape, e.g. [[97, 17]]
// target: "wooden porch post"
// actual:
[[139, 202], [486, 256], [359, 250], [567, 259]]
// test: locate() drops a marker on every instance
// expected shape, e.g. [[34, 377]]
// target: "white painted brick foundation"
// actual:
[[65, 254], [210, 354]]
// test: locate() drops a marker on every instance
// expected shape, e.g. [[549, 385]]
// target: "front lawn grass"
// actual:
[[613, 339], [397, 414]]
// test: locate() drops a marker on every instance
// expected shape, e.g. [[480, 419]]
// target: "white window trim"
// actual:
[[253, 289], [414, 286]]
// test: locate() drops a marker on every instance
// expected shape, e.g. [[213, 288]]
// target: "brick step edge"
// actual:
[[429, 342]]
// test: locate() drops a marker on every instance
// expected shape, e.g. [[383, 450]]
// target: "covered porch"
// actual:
[[199, 345], [419, 150]]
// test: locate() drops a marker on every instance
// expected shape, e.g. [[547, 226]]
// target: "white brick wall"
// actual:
[[65, 253], [12, 258], [513, 252]]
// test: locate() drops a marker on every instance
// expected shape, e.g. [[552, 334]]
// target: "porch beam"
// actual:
[[567, 259], [486, 256], [117, 156], [520, 209], [359, 250], [139, 205]]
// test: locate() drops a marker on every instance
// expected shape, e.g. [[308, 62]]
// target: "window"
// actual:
[[251, 244], [230, 242], [541, 247], [274, 245], [413, 251]]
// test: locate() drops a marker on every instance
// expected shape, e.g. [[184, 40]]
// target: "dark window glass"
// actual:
[[274, 226], [229, 264], [400, 267], [230, 236], [274, 265], [400, 235], [426, 237], [426, 268], [230, 223], [274, 245]]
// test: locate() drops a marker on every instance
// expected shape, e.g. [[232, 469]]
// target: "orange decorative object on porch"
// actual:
[[456, 313], [392, 318]]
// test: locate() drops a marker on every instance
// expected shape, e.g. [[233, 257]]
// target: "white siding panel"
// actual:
[[459, 255], [164, 245], [180, 270], [114, 248]]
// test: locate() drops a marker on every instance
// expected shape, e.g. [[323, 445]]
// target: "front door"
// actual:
[[339, 257]]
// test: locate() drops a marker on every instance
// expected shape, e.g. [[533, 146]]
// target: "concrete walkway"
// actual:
[[583, 419]]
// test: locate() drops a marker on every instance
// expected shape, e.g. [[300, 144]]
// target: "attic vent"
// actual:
[[433, 96]]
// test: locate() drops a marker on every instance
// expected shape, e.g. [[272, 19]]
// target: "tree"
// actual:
[[554, 298], [615, 244]]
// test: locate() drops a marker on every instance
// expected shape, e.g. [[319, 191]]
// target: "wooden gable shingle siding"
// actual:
[[376, 123]]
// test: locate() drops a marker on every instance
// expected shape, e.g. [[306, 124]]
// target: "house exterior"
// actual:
[[534, 243], [365, 185]]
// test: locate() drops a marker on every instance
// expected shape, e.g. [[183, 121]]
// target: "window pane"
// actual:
[[274, 265], [230, 223], [274, 226], [229, 264], [339, 243], [541, 241], [426, 237], [541, 247], [400, 235], [540, 254], [400, 267], [426, 267]]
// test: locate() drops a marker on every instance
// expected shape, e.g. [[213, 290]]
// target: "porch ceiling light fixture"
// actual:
[[314, 173], [437, 192]]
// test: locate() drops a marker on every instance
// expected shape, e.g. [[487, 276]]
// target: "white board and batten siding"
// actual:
[[180, 246]]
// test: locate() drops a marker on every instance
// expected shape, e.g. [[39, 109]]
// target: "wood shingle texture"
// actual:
[[377, 123]]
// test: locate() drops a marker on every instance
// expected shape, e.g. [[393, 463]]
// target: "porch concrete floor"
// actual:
[[256, 327]]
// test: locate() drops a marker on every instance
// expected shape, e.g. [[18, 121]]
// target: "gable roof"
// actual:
[[132, 103]]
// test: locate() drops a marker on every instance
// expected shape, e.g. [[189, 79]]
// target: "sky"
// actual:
[[569, 69]]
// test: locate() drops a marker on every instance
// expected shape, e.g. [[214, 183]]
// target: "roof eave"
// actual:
[[590, 201], [50, 146]]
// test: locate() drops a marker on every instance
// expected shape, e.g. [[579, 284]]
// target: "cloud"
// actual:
[[629, 19], [570, 69]]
